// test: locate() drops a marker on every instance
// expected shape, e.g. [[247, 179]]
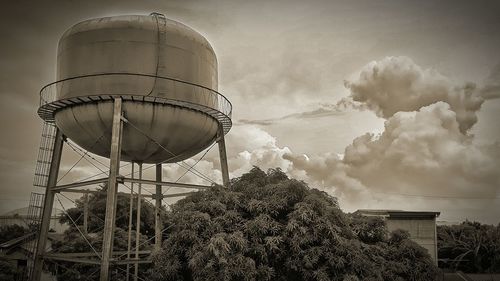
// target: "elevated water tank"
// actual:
[[166, 74]]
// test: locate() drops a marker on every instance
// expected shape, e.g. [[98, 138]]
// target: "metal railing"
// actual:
[[133, 87]]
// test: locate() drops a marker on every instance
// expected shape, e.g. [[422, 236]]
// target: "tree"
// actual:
[[97, 207], [9, 232], [7, 270], [369, 230], [74, 242], [470, 247], [270, 227]]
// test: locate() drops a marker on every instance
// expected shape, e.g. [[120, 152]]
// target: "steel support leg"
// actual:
[[158, 198], [130, 220], [86, 213], [47, 206], [114, 169], [138, 225], [223, 158]]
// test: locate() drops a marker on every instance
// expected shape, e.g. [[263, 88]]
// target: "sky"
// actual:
[[383, 104]]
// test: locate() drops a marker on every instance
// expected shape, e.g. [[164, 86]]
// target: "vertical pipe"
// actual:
[[223, 158], [158, 198], [86, 213], [48, 205], [138, 225], [130, 220], [114, 169]]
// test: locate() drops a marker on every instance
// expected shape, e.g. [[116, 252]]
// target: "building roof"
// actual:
[[399, 214]]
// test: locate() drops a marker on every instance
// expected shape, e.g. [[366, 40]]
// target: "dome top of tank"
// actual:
[[147, 22]]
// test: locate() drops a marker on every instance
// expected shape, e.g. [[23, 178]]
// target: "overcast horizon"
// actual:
[[382, 104]]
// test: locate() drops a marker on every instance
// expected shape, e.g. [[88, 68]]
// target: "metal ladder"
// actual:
[[42, 170], [45, 153], [35, 209], [34, 219]]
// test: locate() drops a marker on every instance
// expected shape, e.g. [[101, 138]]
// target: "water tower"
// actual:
[[140, 89]]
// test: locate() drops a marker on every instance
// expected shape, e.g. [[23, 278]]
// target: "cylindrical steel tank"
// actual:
[[166, 74]]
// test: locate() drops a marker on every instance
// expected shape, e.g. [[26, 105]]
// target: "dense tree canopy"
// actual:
[[9, 232], [270, 227], [74, 242], [470, 247], [97, 207]]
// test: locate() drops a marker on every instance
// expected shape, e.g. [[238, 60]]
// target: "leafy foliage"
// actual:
[[74, 242], [9, 232], [7, 270], [470, 247], [97, 207], [369, 230], [270, 227]]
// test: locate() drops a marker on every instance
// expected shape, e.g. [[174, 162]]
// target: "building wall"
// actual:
[[422, 231]]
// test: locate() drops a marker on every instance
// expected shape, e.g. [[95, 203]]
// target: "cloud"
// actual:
[[420, 153], [423, 152], [255, 147], [250, 146], [491, 90], [324, 110], [263, 122], [396, 84], [421, 161]]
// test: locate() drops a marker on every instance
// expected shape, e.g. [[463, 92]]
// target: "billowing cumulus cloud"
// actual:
[[423, 149], [251, 146], [267, 155], [398, 84], [420, 152], [423, 159]]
